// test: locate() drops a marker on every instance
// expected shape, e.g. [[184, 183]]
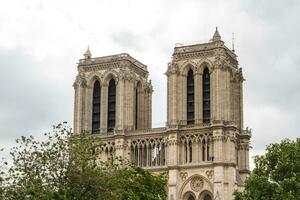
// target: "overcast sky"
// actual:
[[41, 42]]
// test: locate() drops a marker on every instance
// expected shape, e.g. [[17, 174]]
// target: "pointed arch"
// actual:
[[206, 195], [96, 113], [206, 95], [186, 66], [189, 196], [204, 63], [93, 77], [108, 75], [207, 187], [190, 103], [111, 105]]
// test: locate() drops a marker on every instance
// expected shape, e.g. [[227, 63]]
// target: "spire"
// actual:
[[87, 54], [233, 50], [216, 36]]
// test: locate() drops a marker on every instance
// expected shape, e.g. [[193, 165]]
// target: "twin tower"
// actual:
[[203, 147]]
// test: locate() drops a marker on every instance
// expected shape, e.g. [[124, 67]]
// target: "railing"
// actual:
[[146, 131], [111, 58]]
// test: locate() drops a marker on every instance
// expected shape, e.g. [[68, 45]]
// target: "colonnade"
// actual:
[[148, 153]]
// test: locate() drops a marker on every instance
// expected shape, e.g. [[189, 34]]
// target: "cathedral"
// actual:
[[203, 147]]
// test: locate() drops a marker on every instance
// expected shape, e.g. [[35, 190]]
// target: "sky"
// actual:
[[41, 42]]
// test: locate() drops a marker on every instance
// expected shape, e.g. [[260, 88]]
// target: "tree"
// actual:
[[66, 166], [276, 175], [3, 163]]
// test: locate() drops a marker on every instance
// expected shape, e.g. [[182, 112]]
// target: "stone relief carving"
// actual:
[[196, 184], [183, 175], [209, 173]]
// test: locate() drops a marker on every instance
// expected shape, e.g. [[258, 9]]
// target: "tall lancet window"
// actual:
[[190, 97], [206, 95], [111, 107], [137, 106], [96, 107]]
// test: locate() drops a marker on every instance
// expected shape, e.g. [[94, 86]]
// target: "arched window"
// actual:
[[186, 151], [191, 197], [96, 107], [111, 108], [207, 197], [190, 97], [136, 108], [206, 95], [191, 152], [207, 151], [203, 150]]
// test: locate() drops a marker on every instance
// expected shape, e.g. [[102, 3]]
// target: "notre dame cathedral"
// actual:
[[203, 146]]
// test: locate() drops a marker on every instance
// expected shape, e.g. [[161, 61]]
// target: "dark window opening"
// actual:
[[191, 198], [111, 108], [206, 96], [191, 151], [190, 98], [203, 150], [136, 108], [207, 197], [96, 107]]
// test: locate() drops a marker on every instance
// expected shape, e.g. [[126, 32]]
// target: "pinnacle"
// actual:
[[216, 36], [87, 54]]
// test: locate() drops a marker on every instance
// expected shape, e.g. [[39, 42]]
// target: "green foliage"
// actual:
[[66, 166], [3, 163], [276, 175]]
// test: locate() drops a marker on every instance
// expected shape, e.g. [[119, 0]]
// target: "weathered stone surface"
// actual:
[[210, 158]]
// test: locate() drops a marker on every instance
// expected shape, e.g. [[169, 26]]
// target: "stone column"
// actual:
[[103, 107], [77, 107], [213, 97], [120, 145], [198, 97], [88, 107], [180, 104], [241, 124], [172, 98], [172, 164], [141, 111], [120, 105], [218, 145], [184, 99], [195, 154]]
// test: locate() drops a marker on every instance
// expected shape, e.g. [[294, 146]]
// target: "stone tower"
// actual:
[[204, 147], [112, 93]]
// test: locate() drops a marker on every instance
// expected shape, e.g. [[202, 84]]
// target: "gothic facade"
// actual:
[[203, 147]]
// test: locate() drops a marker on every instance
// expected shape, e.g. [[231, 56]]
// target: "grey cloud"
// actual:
[[30, 102], [126, 39], [270, 10], [272, 69]]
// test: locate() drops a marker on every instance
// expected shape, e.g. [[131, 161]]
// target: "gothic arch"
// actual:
[[108, 75], [186, 66], [138, 84], [204, 195], [94, 77], [206, 183], [202, 64], [189, 195]]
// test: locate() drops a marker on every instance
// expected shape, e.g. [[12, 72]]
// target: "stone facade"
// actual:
[[204, 147]]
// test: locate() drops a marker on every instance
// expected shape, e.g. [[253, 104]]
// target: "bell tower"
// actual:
[[112, 93], [204, 84]]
